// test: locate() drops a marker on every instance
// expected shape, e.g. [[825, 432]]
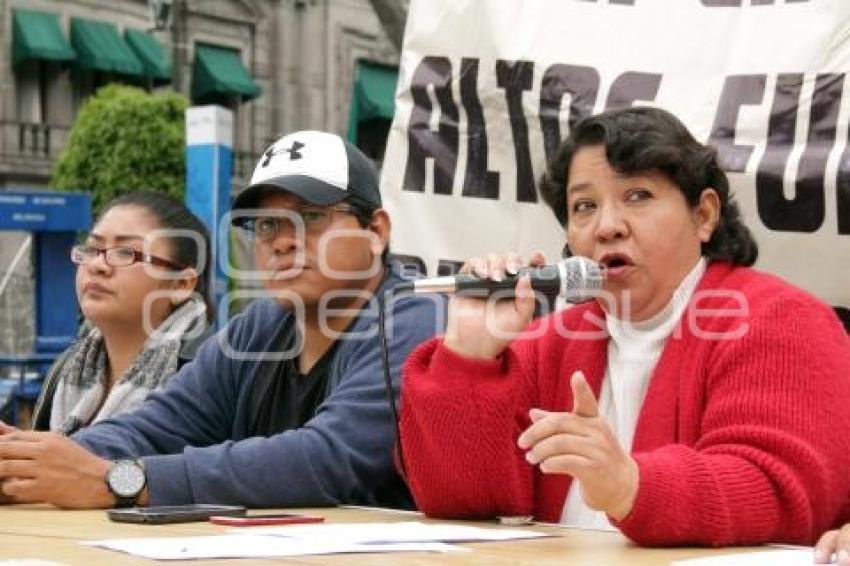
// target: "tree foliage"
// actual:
[[125, 139]]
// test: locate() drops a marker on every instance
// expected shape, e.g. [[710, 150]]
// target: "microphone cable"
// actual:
[[383, 299]]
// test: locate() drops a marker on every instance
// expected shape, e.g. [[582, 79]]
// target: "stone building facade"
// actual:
[[302, 54]]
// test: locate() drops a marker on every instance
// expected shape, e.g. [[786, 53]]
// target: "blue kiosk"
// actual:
[[209, 159], [53, 219]]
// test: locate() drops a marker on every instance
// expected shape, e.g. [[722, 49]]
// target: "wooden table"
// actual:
[[41, 532]]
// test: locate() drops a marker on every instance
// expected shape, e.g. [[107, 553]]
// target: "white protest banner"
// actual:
[[488, 88]]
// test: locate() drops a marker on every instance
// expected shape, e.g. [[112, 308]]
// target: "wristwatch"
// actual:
[[126, 480]]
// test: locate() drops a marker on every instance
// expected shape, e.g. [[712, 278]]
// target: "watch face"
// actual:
[[126, 478]]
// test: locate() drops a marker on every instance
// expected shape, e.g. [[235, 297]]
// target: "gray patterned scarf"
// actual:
[[79, 376]]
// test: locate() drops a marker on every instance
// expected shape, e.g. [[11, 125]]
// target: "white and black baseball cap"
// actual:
[[318, 167]]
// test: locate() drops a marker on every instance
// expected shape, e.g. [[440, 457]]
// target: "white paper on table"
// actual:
[[407, 531], [249, 546], [797, 557]]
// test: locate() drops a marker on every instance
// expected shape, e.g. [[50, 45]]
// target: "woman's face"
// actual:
[[640, 227], [112, 296]]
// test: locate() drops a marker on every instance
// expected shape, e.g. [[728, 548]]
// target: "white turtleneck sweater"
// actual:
[[633, 352]]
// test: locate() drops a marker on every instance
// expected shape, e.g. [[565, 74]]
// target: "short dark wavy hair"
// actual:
[[639, 139]]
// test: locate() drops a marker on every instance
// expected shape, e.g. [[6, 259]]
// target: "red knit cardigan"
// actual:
[[742, 440]]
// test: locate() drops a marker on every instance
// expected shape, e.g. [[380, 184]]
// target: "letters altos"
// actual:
[[804, 212]]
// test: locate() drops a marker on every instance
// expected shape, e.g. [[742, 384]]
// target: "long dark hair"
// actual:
[[640, 139], [172, 214]]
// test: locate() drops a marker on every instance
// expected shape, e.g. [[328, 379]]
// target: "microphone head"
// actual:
[[581, 279]]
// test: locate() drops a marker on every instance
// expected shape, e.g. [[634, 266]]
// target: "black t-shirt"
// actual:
[[284, 398]]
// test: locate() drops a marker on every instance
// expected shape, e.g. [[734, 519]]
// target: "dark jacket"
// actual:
[[192, 436]]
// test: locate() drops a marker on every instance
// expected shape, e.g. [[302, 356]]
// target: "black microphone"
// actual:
[[576, 279]]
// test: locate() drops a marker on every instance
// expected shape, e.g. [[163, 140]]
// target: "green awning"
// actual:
[[156, 63], [219, 71], [100, 48], [373, 95], [37, 35]]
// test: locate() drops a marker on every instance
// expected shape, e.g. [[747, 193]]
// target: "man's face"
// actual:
[[307, 251]]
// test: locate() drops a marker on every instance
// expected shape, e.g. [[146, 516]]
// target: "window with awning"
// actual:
[[372, 108], [38, 36], [154, 59], [218, 73], [373, 95], [99, 47]]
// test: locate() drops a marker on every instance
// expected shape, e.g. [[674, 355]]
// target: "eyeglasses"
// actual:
[[118, 256], [314, 221]]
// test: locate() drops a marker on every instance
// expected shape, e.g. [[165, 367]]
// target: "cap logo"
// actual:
[[294, 153]]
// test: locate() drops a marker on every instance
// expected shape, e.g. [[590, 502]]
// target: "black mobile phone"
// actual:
[[174, 513]]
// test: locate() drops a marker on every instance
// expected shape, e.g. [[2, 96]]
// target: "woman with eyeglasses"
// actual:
[[142, 283]]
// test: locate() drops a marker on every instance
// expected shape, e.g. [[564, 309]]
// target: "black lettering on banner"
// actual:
[[772, 206], [479, 181], [422, 142], [516, 77], [842, 187], [805, 212], [823, 120], [632, 86], [843, 192], [738, 90], [582, 83]]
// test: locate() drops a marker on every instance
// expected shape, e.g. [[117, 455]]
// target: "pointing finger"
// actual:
[[584, 403]]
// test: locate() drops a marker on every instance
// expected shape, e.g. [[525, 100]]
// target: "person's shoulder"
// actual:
[[262, 311], [763, 296], [409, 318], [255, 323], [759, 287], [429, 305], [190, 345]]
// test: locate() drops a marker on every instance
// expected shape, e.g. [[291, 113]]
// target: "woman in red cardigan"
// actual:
[[695, 401]]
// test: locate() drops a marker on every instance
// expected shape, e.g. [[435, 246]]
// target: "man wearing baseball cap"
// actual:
[[288, 405]]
